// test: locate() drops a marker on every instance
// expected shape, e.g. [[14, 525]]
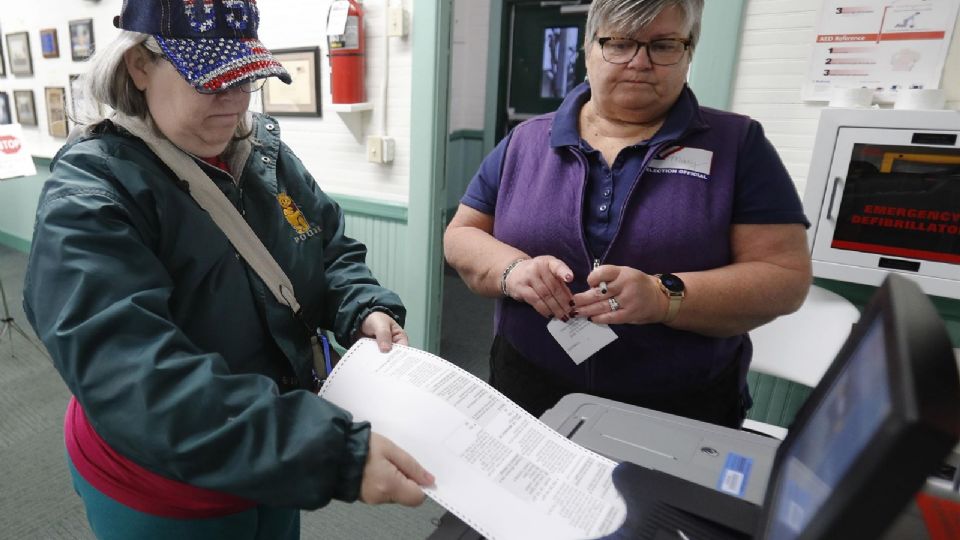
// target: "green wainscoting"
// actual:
[[18, 206], [775, 400], [386, 241], [464, 154]]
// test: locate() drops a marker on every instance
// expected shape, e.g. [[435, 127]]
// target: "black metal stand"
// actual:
[[9, 327]]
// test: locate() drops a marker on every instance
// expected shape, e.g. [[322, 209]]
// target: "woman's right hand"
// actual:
[[542, 283], [391, 475]]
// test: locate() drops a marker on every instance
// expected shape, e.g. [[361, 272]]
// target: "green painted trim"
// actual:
[[494, 53], [430, 51], [859, 295], [466, 134], [390, 211], [714, 61], [15, 242]]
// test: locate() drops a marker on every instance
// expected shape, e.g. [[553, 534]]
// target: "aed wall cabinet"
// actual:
[[883, 195]]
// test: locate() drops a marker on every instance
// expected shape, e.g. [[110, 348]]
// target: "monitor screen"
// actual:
[[837, 431], [901, 201], [558, 74]]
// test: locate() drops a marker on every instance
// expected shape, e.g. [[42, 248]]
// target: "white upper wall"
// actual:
[[468, 68], [327, 146], [776, 44]]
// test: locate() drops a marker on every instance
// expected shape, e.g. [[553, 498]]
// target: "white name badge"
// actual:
[[683, 160]]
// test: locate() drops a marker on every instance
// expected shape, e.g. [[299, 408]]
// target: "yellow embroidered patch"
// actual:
[[293, 214]]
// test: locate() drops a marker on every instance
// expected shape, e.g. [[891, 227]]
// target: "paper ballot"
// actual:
[[497, 467]]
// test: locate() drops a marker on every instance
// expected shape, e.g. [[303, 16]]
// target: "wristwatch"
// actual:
[[673, 287]]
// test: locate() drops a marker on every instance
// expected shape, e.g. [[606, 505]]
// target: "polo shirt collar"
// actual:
[[682, 118]]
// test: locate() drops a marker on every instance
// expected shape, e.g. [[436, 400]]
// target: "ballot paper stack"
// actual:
[[497, 467]]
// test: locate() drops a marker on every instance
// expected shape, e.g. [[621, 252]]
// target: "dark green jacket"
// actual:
[[181, 357]]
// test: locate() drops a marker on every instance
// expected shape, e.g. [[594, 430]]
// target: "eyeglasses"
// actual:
[[661, 52], [246, 86]]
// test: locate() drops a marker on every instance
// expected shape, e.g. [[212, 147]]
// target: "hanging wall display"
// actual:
[[76, 96], [3, 61], [884, 45], [18, 50], [49, 46], [5, 117], [56, 100], [81, 39], [24, 105], [302, 96]]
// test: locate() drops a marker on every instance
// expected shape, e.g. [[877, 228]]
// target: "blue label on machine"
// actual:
[[735, 474]]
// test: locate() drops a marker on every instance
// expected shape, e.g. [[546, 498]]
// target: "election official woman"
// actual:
[[633, 206], [194, 413]]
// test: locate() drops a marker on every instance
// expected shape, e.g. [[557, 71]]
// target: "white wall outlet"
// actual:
[[389, 149], [374, 149], [380, 149], [397, 22]]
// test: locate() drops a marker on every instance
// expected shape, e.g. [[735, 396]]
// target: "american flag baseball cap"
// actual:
[[212, 43]]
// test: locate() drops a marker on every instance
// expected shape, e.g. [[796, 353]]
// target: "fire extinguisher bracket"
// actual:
[[351, 107]]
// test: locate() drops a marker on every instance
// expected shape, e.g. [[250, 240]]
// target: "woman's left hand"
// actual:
[[630, 297], [384, 329]]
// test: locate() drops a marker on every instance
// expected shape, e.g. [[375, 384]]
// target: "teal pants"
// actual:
[[111, 520]]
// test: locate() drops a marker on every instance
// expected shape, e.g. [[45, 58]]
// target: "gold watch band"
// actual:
[[674, 308], [674, 300]]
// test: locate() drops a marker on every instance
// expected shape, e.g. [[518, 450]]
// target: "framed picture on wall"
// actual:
[[81, 39], [76, 96], [56, 99], [24, 105], [5, 117], [302, 96], [3, 61], [18, 49], [49, 46]]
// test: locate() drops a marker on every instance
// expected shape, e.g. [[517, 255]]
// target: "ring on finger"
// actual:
[[614, 304]]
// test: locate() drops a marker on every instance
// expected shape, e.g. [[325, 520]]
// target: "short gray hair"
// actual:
[[107, 82], [626, 17]]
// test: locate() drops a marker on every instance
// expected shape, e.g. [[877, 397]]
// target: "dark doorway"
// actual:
[[542, 56]]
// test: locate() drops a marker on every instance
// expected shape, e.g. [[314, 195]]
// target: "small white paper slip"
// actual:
[[337, 22], [580, 337]]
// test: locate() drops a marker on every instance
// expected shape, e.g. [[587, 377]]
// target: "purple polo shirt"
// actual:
[[665, 205], [764, 191]]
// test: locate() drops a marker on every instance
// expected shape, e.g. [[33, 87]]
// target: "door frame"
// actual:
[[712, 71], [428, 134]]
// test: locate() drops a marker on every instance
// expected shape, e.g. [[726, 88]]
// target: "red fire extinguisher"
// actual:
[[346, 56]]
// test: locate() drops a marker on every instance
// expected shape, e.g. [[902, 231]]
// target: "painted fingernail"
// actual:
[[572, 303], [590, 319], [565, 318], [574, 313]]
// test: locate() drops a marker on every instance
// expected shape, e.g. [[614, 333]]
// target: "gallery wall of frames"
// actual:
[[44, 46], [40, 68]]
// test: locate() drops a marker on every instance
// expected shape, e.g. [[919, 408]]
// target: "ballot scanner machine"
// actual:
[[883, 418]]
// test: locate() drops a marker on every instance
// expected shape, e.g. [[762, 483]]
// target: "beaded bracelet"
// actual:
[[506, 272]]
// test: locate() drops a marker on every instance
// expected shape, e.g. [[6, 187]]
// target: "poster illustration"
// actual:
[[886, 45]]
